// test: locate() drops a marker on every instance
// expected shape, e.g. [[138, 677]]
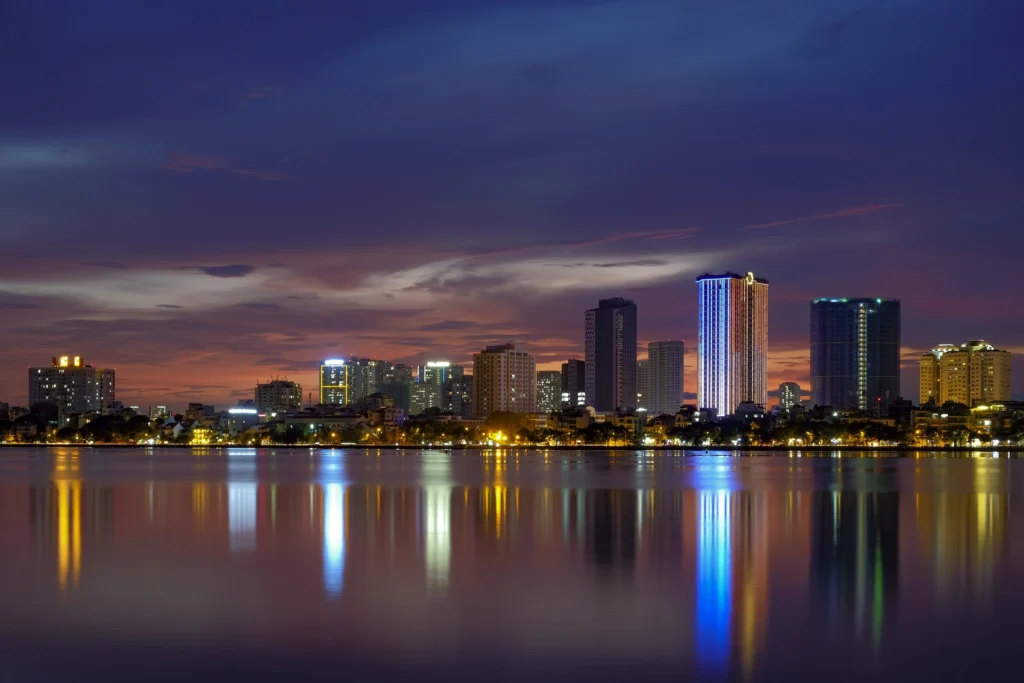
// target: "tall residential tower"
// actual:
[[504, 380], [732, 341], [665, 377], [610, 336]]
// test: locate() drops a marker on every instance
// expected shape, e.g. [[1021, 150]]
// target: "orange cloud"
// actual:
[[864, 210]]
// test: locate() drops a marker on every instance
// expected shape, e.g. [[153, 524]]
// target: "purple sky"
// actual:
[[204, 194]]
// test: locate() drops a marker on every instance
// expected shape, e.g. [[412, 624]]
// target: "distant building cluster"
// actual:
[[854, 375], [974, 372]]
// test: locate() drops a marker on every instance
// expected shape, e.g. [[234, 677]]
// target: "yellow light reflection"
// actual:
[[69, 518], [200, 503]]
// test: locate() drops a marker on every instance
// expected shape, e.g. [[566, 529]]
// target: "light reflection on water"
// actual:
[[728, 568]]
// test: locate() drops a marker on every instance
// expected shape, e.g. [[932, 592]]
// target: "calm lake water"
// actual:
[[277, 564]]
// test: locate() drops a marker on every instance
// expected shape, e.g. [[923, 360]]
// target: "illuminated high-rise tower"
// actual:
[[855, 353], [334, 382], [732, 341]]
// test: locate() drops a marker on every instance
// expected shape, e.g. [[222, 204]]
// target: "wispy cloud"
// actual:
[[639, 236], [864, 210], [234, 270], [187, 163]]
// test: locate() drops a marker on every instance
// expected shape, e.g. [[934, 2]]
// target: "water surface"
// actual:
[[358, 564]]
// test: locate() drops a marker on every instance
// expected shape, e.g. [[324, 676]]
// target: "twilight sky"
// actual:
[[206, 194]]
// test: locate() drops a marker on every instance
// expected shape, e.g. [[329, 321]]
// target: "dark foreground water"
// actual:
[[154, 565]]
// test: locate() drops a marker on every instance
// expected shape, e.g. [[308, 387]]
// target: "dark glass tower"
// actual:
[[611, 355], [855, 353], [574, 383]]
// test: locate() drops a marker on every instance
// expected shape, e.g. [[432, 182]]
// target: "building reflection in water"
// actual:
[[242, 494], [962, 523], [437, 492], [714, 598], [714, 578], [68, 485], [701, 540], [332, 472], [855, 558]]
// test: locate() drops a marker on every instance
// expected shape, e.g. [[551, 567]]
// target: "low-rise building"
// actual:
[[948, 425], [569, 419]]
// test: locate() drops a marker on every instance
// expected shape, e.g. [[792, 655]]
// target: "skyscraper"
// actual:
[[855, 353], [974, 372], [365, 375], [732, 341], [789, 395], [72, 386], [504, 380], [549, 390], [665, 383], [334, 382], [643, 384], [610, 331], [574, 383]]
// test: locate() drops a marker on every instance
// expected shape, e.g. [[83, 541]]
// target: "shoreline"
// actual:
[[582, 447]]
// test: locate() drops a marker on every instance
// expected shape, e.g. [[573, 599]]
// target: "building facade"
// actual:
[[789, 395], [855, 353], [365, 375], [457, 394], [665, 378], [428, 391], [397, 373], [643, 385], [574, 384], [732, 341], [72, 385], [278, 396], [423, 396], [610, 340], [974, 372], [334, 382], [504, 380], [439, 372], [549, 390]]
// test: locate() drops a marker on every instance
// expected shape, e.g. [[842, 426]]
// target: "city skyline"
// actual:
[[201, 205], [909, 361]]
